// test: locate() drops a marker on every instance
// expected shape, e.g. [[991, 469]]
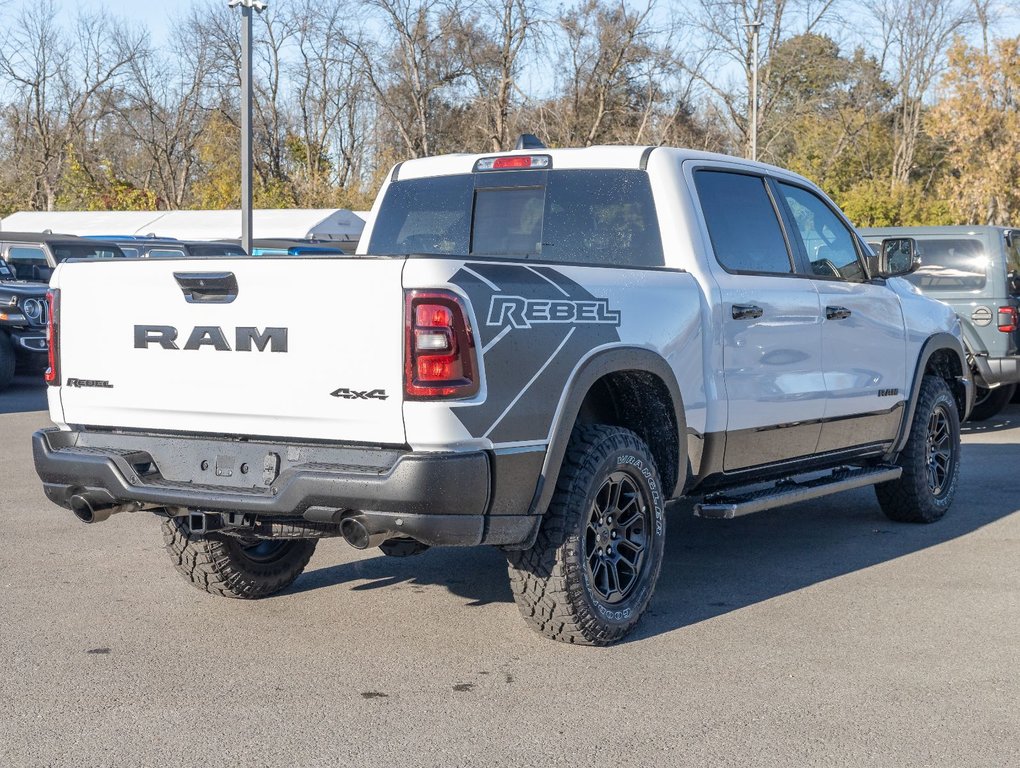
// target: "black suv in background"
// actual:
[[33, 256], [27, 259], [171, 248]]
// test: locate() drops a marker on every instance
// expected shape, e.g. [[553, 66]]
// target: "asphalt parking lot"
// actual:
[[819, 634]]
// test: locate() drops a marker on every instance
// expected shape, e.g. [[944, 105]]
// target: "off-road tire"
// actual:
[[402, 546], [219, 565], [913, 498], [554, 589], [8, 361], [990, 402]]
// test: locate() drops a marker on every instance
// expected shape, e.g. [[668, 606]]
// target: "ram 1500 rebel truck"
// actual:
[[535, 350]]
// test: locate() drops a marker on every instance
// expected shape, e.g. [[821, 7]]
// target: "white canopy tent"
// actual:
[[291, 223]]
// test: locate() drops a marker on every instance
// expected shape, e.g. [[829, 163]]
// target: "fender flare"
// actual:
[[936, 343], [589, 371]]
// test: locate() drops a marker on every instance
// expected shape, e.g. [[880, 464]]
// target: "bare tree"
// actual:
[[163, 113], [494, 40], [914, 35], [614, 64], [726, 27], [329, 102], [216, 29], [412, 66], [63, 86]]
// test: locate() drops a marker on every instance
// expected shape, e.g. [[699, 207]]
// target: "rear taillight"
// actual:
[[439, 347], [52, 375], [1007, 319]]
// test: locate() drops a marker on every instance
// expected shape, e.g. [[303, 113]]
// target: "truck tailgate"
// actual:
[[307, 348]]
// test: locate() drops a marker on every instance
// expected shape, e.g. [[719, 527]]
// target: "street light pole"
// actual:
[[755, 26], [247, 6]]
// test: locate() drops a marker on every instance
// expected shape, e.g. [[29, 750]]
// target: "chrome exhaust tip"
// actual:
[[358, 536], [89, 512], [85, 511]]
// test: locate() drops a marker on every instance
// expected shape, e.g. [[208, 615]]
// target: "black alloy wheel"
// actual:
[[939, 452], [616, 538]]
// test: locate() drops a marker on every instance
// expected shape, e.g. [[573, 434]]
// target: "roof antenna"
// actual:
[[529, 141]]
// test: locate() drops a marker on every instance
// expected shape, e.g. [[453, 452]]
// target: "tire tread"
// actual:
[[212, 564], [908, 499], [545, 579]]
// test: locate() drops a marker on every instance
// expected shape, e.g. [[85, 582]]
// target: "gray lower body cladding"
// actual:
[[440, 499]]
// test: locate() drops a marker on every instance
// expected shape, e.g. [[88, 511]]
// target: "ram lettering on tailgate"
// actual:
[[245, 337]]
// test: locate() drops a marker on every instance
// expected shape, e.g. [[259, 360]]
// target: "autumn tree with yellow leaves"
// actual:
[[978, 120]]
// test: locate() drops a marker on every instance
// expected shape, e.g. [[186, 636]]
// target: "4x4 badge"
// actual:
[[353, 394]]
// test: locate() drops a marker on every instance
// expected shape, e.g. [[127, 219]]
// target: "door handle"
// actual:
[[836, 313], [207, 287], [746, 312]]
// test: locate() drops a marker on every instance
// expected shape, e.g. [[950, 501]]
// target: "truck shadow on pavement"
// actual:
[[713, 567], [26, 393]]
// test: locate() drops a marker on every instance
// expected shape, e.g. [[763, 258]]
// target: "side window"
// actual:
[[1013, 253], [742, 222], [28, 263], [22, 255], [829, 245]]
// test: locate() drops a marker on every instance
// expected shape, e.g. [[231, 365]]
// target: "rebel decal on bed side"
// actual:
[[534, 314]]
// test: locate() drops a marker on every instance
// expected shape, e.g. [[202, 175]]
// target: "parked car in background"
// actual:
[[33, 256], [171, 248], [23, 316], [976, 271], [280, 247]]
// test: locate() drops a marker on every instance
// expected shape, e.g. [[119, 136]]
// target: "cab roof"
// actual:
[[605, 156]]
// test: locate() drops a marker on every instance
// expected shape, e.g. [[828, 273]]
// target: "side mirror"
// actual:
[[897, 257]]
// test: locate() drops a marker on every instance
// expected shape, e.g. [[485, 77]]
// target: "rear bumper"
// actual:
[[439, 499]]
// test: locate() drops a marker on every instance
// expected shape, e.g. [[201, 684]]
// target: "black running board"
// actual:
[[723, 507]]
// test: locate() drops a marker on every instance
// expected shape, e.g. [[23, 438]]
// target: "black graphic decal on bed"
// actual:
[[535, 324]]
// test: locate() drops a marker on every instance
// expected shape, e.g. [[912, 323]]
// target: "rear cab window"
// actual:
[[597, 217]]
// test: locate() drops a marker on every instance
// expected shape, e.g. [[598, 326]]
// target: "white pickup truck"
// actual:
[[535, 350]]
